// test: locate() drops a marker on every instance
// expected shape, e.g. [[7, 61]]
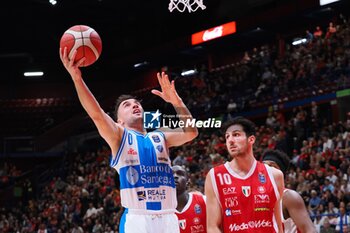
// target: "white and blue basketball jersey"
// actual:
[[146, 178]]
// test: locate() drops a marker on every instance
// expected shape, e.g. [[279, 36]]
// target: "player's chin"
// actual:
[[234, 151], [136, 117]]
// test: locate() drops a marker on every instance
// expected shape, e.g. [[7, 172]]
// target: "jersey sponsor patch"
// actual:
[[160, 148], [131, 151], [261, 198], [131, 161], [141, 195], [250, 225], [231, 212], [260, 209], [262, 178], [261, 189], [246, 190], [231, 202], [161, 159], [156, 138], [156, 194], [230, 190], [197, 209], [196, 220], [182, 224], [132, 176], [197, 229]]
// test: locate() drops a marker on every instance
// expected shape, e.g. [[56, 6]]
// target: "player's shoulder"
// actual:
[[221, 167], [292, 199], [198, 195], [196, 192], [275, 172], [290, 194]]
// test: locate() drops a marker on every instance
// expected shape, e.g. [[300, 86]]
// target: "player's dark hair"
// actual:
[[119, 100], [247, 125], [279, 157]]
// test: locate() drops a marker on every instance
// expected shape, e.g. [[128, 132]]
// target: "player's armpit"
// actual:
[[214, 218]]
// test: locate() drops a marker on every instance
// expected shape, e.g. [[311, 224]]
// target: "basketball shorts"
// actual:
[[148, 223]]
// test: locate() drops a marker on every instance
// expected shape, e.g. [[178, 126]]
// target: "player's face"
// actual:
[[129, 111], [271, 164], [180, 178], [237, 142]]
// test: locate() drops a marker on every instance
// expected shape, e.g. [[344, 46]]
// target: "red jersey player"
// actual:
[[191, 209], [243, 195], [295, 217]]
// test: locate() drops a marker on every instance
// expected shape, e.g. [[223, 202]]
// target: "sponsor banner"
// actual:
[[250, 225], [230, 190], [261, 199], [214, 33], [147, 176]]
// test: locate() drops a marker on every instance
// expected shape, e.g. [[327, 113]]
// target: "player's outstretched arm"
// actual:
[[169, 94], [295, 206], [214, 217], [107, 128]]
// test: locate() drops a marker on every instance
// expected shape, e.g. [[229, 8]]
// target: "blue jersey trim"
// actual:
[[161, 133], [138, 133], [120, 149], [153, 205], [123, 221]]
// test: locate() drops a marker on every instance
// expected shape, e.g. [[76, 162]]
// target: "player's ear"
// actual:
[[251, 139], [188, 183]]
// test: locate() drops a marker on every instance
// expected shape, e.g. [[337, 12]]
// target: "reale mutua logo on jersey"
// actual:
[[156, 120]]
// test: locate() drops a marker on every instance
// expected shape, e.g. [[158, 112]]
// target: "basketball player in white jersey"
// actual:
[[295, 217], [142, 160]]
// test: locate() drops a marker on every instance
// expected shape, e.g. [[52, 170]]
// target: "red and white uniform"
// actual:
[[192, 219], [288, 224], [247, 203]]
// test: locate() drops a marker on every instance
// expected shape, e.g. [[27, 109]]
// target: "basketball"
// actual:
[[85, 40]]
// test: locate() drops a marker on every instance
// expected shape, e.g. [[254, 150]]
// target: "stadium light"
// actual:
[[33, 74], [53, 2], [188, 72], [141, 64], [299, 41], [325, 2]]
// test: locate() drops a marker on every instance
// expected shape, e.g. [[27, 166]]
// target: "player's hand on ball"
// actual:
[[71, 66]]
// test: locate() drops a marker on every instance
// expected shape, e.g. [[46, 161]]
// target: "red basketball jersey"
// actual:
[[247, 203], [192, 219]]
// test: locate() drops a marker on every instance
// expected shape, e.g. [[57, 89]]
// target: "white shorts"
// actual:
[[149, 223]]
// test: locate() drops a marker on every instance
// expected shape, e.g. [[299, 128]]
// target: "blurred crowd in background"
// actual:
[[81, 193]]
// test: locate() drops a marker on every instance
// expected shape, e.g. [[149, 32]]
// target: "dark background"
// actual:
[[46, 109]]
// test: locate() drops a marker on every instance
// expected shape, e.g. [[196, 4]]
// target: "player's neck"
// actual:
[[182, 200], [242, 163], [138, 129]]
